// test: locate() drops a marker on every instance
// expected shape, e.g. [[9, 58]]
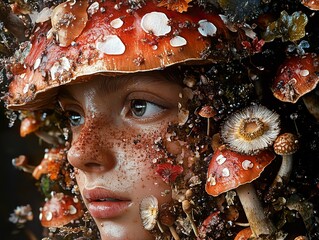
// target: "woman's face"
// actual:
[[115, 124]]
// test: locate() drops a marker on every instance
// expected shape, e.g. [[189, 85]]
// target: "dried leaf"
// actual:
[[175, 5], [287, 27]]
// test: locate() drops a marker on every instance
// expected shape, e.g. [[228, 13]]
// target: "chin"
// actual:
[[112, 230]]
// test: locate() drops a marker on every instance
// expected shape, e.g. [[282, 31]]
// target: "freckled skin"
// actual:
[[115, 150]]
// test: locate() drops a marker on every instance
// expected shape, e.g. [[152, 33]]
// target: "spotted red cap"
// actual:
[[296, 76], [286, 144], [60, 210], [228, 170], [112, 37]]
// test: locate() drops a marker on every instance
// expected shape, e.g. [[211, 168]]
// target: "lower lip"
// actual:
[[108, 209]]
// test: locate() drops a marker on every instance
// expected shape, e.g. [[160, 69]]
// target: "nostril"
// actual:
[[94, 166]]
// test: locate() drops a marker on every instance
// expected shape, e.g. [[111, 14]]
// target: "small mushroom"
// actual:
[[149, 212], [21, 162], [230, 170], [244, 234], [251, 129], [60, 210], [29, 125], [296, 77], [50, 164], [285, 145], [207, 112], [167, 218], [187, 208]]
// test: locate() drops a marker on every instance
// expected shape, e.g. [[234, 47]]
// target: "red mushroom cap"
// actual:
[[228, 170], [295, 77], [60, 210], [311, 4], [112, 37]]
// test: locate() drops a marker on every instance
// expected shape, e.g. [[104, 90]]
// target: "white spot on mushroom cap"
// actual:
[[111, 45], [220, 159], [225, 172], [247, 164], [37, 63], [26, 88], [212, 180], [48, 216], [156, 23], [63, 65], [72, 210], [178, 41], [206, 28], [116, 23], [304, 73], [93, 8], [44, 15]]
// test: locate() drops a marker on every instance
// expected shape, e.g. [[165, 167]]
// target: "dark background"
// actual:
[[17, 187]]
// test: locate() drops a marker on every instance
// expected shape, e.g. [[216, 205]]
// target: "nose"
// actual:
[[92, 148]]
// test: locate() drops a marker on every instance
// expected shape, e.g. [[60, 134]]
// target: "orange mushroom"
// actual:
[[244, 234], [60, 210], [230, 170], [311, 4], [82, 40]]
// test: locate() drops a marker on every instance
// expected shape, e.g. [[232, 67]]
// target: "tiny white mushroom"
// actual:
[[178, 41], [149, 212], [206, 28], [116, 23], [111, 45], [156, 23]]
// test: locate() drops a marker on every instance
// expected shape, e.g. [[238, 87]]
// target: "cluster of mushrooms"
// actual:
[[247, 119]]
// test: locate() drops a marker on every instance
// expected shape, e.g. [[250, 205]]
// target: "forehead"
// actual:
[[142, 81]]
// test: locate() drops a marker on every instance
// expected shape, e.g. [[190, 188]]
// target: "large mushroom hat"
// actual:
[[79, 38]]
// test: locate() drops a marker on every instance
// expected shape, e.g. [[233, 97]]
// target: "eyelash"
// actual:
[[148, 111]]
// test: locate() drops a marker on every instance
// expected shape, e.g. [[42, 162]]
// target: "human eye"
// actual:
[[145, 109], [74, 118]]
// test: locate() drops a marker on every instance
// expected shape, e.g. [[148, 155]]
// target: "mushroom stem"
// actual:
[[259, 223], [187, 209], [284, 172], [208, 126], [173, 232], [48, 138]]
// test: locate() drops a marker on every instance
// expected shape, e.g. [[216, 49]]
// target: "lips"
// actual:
[[103, 204]]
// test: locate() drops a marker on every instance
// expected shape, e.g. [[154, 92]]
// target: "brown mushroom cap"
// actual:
[[286, 144], [60, 210], [228, 170], [108, 37], [295, 77]]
